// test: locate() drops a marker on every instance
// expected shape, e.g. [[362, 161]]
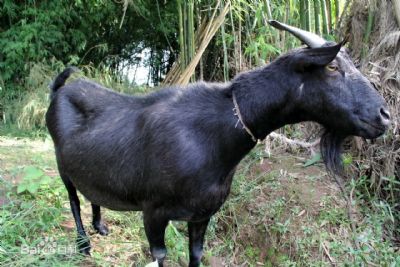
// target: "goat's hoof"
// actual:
[[85, 251], [83, 246], [101, 228]]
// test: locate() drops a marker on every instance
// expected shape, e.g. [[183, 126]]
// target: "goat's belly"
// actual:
[[106, 198], [110, 201]]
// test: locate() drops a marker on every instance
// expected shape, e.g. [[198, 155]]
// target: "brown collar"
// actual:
[[237, 113]]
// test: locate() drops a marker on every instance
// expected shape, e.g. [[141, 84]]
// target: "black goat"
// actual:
[[172, 154]]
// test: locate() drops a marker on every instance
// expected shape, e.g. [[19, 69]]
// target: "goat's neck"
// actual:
[[267, 101]]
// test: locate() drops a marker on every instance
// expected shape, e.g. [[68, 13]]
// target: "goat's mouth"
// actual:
[[371, 130]]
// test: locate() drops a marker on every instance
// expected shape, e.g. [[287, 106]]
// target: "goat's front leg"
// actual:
[[97, 223], [83, 242], [154, 227], [197, 231]]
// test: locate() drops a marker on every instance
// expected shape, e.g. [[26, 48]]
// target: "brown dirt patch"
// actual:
[[286, 207]]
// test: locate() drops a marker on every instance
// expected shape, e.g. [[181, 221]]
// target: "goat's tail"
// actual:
[[60, 80]]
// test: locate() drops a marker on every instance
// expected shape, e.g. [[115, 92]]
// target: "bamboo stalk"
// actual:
[[286, 21], [329, 14], [215, 25], [292, 6], [199, 24], [268, 6], [248, 34], [325, 29], [302, 14], [191, 33], [185, 34], [201, 32], [179, 66], [240, 44], [206, 33], [275, 33], [316, 17], [337, 12], [212, 17], [368, 30], [235, 40], [308, 14], [226, 66], [181, 37]]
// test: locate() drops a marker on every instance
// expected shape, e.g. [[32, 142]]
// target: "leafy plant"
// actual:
[[32, 180]]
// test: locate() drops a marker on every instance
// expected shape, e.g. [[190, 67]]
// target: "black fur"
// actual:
[[172, 154]]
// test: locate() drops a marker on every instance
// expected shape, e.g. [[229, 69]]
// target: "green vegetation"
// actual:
[[51, 34]]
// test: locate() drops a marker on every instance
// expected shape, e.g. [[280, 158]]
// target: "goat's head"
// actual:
[[343, 100]]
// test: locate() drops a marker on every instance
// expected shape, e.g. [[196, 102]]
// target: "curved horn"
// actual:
[[310, 39]]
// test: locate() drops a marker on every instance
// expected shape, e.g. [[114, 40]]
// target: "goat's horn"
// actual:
[[310, 39]]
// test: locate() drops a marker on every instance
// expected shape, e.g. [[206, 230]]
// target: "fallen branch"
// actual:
[[293, 142], [327, 253]]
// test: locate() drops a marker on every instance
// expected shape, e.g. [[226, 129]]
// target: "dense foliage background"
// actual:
[[79, 33]]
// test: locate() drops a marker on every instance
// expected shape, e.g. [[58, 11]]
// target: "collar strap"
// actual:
[[237, 113]]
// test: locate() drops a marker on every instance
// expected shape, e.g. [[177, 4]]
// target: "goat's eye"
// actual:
[[332, 68]]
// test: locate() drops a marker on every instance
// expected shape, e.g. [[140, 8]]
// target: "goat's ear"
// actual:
[[315, 57]]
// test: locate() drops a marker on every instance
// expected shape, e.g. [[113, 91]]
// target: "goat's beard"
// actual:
[[331, 151]]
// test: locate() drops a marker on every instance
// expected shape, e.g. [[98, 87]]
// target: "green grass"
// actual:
[[278, 214]]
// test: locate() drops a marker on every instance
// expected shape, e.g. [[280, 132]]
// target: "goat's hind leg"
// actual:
[[97, 223], [83, 242]]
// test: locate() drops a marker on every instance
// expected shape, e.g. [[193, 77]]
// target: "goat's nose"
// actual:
[[385, 116]]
